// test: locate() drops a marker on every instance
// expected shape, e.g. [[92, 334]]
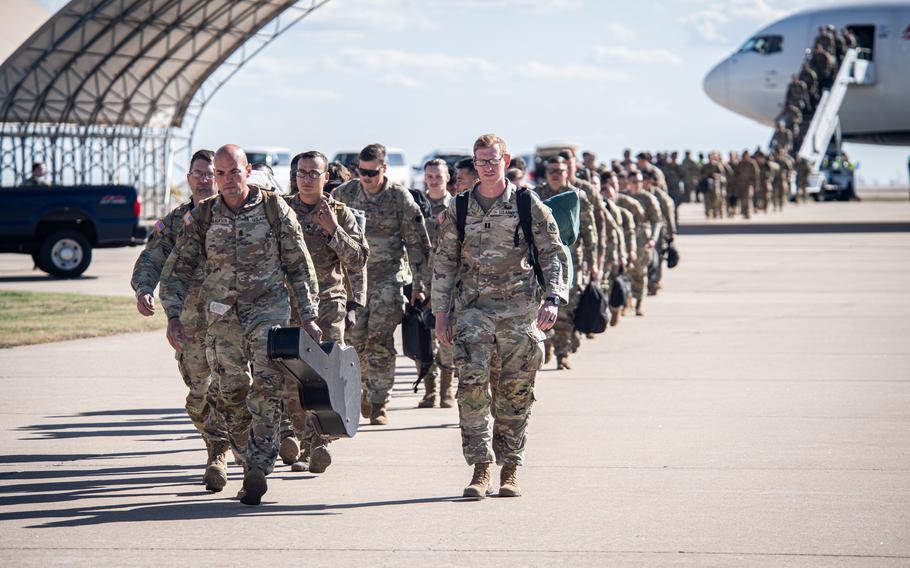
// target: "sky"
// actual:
[[428, 74]]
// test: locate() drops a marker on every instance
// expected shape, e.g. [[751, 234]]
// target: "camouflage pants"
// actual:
[[564, 328], [638, 272], [762, 196], [202, 399], [250, 386], [373, 337], [745, 203], [444, 360], [494, 411], [778, 197], [295, 420]]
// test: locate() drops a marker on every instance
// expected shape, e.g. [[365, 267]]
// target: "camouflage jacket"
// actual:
[[626, 221], [673, 174], [245, 262], [667, 209], [600, 222], [650, 225], [690, 170], [746, 175], [787, 167], [437, 209], [487, 271], [395, 230], [585, 248], [768, 171], [342, 254]]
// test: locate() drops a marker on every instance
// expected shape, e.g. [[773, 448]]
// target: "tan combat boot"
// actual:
[[614, 316], [562, 362], [447, 398], [481, 483], [289, 451], [508, 481], [215, 477], [320, 458], [254, 487], [638, 310], [378, 416], [365, 406], [429, 397]]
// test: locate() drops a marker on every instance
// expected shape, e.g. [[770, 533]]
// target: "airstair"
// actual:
[[825, 124]]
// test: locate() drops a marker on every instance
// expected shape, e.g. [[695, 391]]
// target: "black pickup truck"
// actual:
[[60, 225]]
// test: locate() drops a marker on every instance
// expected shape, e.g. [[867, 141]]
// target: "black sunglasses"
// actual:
[[368, 172]]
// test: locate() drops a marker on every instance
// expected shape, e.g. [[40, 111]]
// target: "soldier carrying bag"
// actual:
[[565, 208]]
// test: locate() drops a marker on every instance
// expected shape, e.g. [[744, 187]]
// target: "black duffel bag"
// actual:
[[593, 312], [417, 338], [621, 291], [672, 256]]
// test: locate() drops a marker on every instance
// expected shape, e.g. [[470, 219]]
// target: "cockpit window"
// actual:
[[765, 44]]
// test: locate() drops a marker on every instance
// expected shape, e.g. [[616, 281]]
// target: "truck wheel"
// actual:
[[65, 254]]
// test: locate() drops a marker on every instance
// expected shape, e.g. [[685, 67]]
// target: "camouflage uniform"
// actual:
[[393, 223], [782, 139], [668, 230], [444, 353], [781, 187], [747, 177], [803, 171], [690, 170], [648, 229], [714, 202], [246, 264], [602, 224], [191, 361], [729, 191], [768, 172], [334, 258], [583, 253], [491, 289]]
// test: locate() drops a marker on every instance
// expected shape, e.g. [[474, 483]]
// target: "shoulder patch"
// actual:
[[158, 227], [188, 218]]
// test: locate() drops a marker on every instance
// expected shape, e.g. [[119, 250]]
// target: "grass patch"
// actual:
[[27, 318]]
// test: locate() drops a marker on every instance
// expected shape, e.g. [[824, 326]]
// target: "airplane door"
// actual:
[[865, 38]]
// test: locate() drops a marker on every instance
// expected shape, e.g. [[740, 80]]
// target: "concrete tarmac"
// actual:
[[757, 415]]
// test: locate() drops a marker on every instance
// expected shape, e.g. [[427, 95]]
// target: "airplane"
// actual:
[[753, 81]]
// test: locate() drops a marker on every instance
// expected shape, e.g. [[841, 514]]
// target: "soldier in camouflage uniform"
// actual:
[[603, 224], [747, 177], [768, 171], [436, 177], [803, 171], [782, 180], [339, 251], [782, 138], [648, 232], [490, 288], [713, 174], [249, 241], [668, 230], [626, 221], [397, 234], [201, 402], [690, 172], [583, 253]]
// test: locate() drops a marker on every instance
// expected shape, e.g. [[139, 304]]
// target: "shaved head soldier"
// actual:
[[249, 242]]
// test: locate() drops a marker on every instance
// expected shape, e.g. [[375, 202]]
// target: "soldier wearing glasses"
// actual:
[[191, 361], [498, 314], [400, 250], [339, 251]]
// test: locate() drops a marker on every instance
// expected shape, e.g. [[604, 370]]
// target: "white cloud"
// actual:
[[397, 60], [539, 70], [615, 30], [629, 55], [398, 81]]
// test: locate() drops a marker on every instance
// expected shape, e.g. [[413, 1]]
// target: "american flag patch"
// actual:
[[188, 218], [159, 226]]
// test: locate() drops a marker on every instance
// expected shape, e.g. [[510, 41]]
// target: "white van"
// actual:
[[279, 159]]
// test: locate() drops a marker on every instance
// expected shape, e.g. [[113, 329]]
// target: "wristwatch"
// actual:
[[554, 300]]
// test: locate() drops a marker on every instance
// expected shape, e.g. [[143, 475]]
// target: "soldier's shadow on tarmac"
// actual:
[[81, 484]]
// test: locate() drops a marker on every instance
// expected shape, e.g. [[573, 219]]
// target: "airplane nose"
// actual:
[[717, 83]]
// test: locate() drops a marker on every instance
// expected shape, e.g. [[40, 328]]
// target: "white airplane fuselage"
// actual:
[[753, 83]]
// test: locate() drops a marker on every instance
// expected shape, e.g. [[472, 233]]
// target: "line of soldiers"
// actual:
[[335, 258]]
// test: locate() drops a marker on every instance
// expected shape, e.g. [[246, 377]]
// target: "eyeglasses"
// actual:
[[202, 175], [556, 171], [366, 172], [312, 174], [484, 163]]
